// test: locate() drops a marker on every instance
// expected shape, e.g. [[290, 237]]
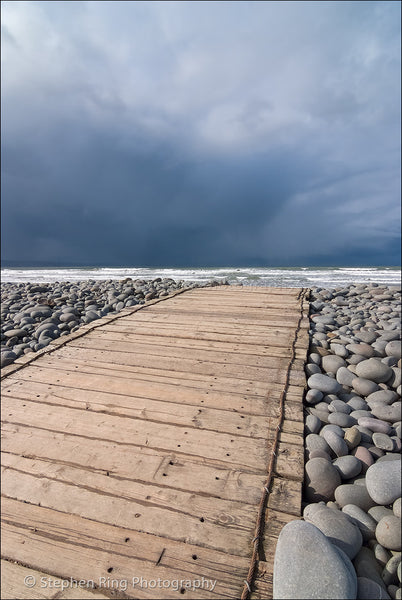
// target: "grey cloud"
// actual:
[[146, 132]]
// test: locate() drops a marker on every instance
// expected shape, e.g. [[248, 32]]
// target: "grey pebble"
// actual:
[[385, 396], [316, 442], [366, 565], [362, 519], [313, 424], [337, 527], [364, 386], [393, 348], [344, 376], [301, 545], [341, 419], [389, 573], [321, 480], [349, 493], [331, 363], [390, 413], [388, 532], [374, 370], [378, 512], [348, 466], [375, 425], [367, 589], [383, 441], [314, 396], [323, 383], [383, 480], [336, 443]]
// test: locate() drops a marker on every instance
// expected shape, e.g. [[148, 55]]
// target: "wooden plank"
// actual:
[[154, 410], [185, 472], [133, 375], [169, 343], [83, 549], [272, 337], [211, 523], [193, 342], [212, 323], [219, 394], [226, 448], [208, 368], [158, 350]]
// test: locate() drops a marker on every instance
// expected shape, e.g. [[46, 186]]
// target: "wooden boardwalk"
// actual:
[[135, 451]]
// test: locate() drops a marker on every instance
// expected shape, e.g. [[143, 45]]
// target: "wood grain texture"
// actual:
[[138, 447]]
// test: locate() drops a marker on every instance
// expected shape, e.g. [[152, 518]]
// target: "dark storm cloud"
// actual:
[[150, 133]]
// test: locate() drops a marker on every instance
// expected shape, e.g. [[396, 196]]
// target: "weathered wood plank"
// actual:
[[83, 549], [208, 368], [197, 354], [212, 419], [227, 448], [191, 342], [132, 376], [187, 473]]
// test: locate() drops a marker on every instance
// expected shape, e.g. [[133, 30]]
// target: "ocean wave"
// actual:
[[257, 276]]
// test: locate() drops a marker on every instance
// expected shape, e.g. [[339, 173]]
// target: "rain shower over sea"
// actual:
[[325, 277]]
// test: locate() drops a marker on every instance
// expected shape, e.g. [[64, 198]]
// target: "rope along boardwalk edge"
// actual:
[[259, 530]]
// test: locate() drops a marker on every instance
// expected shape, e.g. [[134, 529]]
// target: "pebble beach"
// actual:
[[348, 542]]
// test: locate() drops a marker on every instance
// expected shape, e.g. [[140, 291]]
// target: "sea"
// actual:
[[325, 277]]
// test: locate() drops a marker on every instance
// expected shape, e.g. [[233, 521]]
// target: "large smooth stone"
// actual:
[[337, 527], [362, 520], [367, 589], [365, 457], [374, 424], [393, 348], [378, 512], [363, 349], [307, 565], [383, 441], [321, 480], [384, 396], [352, 437], [313, 424], [388, 532], [374, 370], [316, 442], [331, 363], [349, 493], [391, 413], [336, 443], [364, 386], [314, 396], [344, 376], [348, 466], [366, 565], [341, 419], [383, 481], [366, 336], [323, 383], [339, 406]]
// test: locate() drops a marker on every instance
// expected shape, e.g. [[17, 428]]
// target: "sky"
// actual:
[[200, 133]]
